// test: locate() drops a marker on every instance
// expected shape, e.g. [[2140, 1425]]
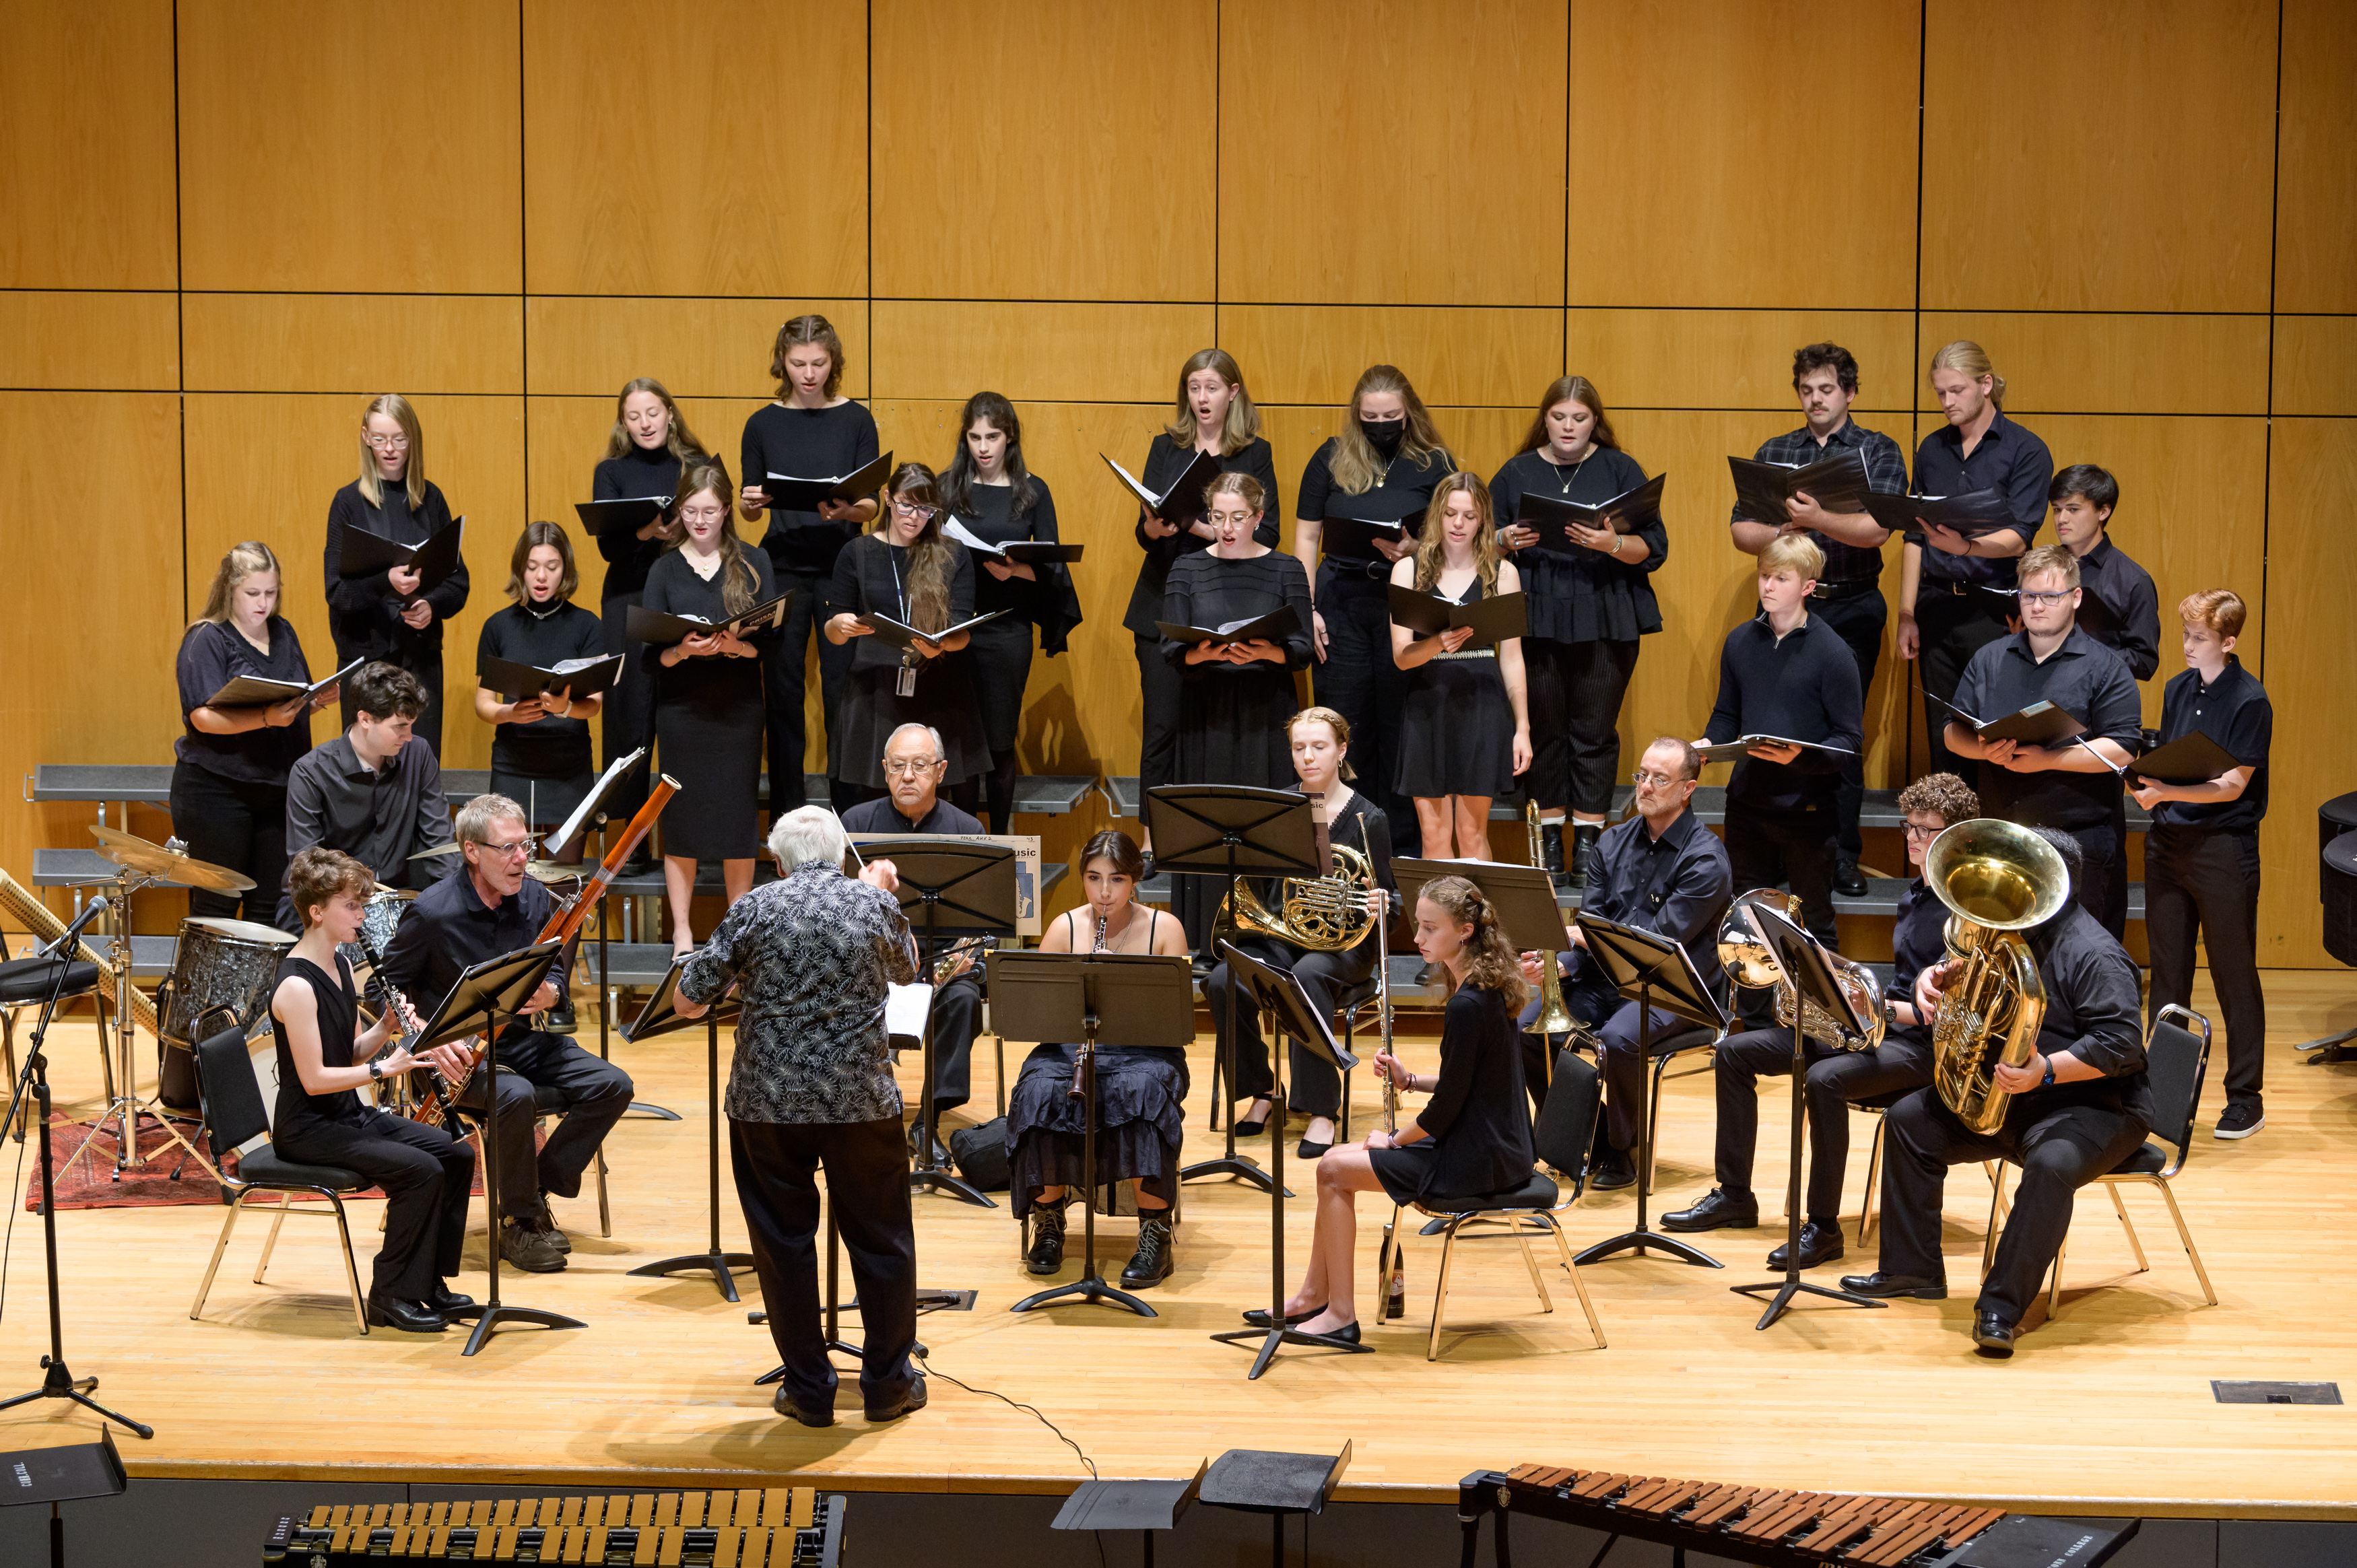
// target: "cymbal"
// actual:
[[556, 871], [438, 849], [134, 853], [398, 895]]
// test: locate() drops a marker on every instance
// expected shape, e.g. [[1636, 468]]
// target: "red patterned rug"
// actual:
[[91, 1184]]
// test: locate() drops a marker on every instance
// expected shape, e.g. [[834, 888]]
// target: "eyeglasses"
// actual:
[[1918, 830], [2047, 599], [516, 851], [387, 443], [1657, 780], [912, 509], [911, 770]]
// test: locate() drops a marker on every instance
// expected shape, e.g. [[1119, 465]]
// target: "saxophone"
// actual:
[[1997, 880]]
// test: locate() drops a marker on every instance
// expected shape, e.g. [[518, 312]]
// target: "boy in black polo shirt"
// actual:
[[2201, 858], [2118, 606]]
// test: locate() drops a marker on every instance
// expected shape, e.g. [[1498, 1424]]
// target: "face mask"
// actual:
[[1384, 435]]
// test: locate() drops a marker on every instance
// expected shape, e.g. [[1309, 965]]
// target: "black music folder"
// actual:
[[657, 629], [580, 676], [1278, 624], [1182, 502], [433, 558], [261, 692], [1732, 750], [1762, 491], [899, 634], [1494, 617], [789, 493], [1017, 552], [1973, 515], [1624, 513], [2190, 758], [1357, 535], [2040, 724], [626, 515]]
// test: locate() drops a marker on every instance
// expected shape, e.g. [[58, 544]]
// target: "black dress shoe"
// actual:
[[1253, 1129], [1922, 1287], [783, 1403], [1993, 1334], [409, 1316], [442, 1298], [1583, 850], [1820, 1244], [1258, 1316], [912, 1399], [1719, 1211], [1309, 1151], [1613, 1172], [1848, 880], [561, 1019], [1346, 1334]]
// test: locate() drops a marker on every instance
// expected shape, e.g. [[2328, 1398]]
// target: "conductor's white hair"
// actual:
[[810, 832], [931, 734]]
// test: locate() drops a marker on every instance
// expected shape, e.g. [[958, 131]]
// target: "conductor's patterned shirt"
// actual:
[[812, 954]]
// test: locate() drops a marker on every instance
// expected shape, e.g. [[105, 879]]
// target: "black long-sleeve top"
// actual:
[[553, 746], [2009, 460], [2119, 607], [2091, 1012], [806, 444], [1802, 686], [2235, 711], [364, 613], [1212, 591], [1402, 497], [1047, 599], [1481, 1130], [1585, 595], [449, 928], [1165, 461], [2083, 677], [378, 817], [211, 654], [872, 577], [638, 474], [1678, 885], [715, 682]]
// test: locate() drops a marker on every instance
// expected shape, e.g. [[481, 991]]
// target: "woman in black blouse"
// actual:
[[1586, 611], [905, 570], [228, 781], [381, 615], [1383, 467], [1214, 415], [810, 432], [993, 496], [708, 697], [1472, 1138], [649, 447], [540, 752]]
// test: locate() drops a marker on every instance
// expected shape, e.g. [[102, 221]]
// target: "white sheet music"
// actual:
[[905, 1008]]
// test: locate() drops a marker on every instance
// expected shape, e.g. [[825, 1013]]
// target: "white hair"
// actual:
[[808, 833], [941, 752]]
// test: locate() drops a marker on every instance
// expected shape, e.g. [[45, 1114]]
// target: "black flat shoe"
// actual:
[[409, 1316], [1255, 1128], [1922, 1287], [1993, 1334], [1718, 1210], [1258, 1316], [1820, 1244], [1346, 1334], [1309, 1151], [442, 1298]]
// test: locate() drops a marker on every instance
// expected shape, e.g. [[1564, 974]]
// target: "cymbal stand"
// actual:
[[127, 1111]]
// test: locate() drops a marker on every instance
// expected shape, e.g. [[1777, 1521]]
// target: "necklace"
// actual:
[[1575, 468]]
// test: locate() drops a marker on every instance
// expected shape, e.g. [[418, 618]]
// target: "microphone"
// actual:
[[90, 911]]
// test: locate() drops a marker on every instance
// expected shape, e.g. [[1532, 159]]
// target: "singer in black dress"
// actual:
[[539, 750], [810, 432], [649, 448], [372, 616]]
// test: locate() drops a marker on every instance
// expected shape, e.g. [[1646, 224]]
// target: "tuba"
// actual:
[[1749, 965], [1319, 914], [1997, 880]]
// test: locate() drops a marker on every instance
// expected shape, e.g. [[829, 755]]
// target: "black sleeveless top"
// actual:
[[338, 1014]]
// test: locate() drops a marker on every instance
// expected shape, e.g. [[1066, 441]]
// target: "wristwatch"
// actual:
[[2048, 1081], [376, 1070]]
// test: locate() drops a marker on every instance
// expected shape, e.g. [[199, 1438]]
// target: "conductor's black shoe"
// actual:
[[1550, 850], [1047, 1253], [1154, 1259], [560, 1019], [783, 1403], [1583, 849], [940, 1150], [913, 1398], [1993, 1334], [1820, 1245], [1720, 1211], [1612, 1171], [1922, 1287], [1258, 1316], [1848, 880], [442, 1298], [409, 1316]]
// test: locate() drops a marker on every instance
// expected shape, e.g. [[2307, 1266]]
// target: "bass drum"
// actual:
[[221, 978]]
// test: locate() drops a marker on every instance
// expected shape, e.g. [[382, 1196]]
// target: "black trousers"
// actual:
[[867, 1188], [596, 1091], [426, 1174], [1858, 620], [1952, 628], [1316, 1088], [1360, 681], [240, 825], [956, 1019], [1832, 1080], [1624, 1066], [785, 687], [425, 663], [2060, 1148], [629, 715], [1160, 690], [1575, 690], [2207, 884]]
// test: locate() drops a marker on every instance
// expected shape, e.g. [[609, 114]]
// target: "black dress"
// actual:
[[1000, 653], [1480, 1133], [708, 720], [547, 766], [1457, 727], [1141, 1116], [627, 717], [364, 613], [229, 791], [872, 575]]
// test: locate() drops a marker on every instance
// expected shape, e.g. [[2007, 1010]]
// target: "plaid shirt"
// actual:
[[1885, 470]]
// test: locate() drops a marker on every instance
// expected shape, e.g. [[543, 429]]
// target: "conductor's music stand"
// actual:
[[1142, 1506], [1143, 1000], [1226, 830], [1638, 963], [1802, 963], [1254, 1480], [948, 888], [1278, 992], [661, 1016], [482, 1001]]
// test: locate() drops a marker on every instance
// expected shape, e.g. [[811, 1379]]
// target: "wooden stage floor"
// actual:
[[2109, 1409]]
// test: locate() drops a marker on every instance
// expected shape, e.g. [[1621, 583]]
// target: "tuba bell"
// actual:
[[1748, 964], [1997, 880], [1318, 914]]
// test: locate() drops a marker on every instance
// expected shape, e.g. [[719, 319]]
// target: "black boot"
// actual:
[[1551, 849], [1047, 1255], [1153, 1261], [1583, 849]]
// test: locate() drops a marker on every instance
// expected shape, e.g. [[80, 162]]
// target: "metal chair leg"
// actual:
[[1866, 1213], [271, 1242], [228, 1223], [8, 1056], [2186, 1236], [1538, 1282], [2054, 1297], [2134, 1245], [1995, 1170], [352, 1268], [605, 1208], [1440, 1292], [1382, 1257], [1577, 1282]]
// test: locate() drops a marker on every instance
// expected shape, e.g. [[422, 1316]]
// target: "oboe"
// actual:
[[1394, 1273], [1081, 1052]]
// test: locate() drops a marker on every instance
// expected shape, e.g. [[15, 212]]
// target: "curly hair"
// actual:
[[1494, 965], [1945, 793]]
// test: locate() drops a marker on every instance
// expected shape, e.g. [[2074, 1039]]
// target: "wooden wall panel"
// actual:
[[1354, 170], [86, 168], [2112, 364], [2311, 582], [1314, 354], [1716, 159], [696, 348], [90, 342], [2316, 193], [1069, 158], [357, 343], [1073, 352], [710, 149], [2112, 155], [2316, 364], [328, 147], [1735, 359]]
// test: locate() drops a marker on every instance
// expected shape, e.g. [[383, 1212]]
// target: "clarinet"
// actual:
[[1394, 1266], [1079, 1078]]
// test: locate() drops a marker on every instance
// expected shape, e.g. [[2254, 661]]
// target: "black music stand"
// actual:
[[616, 771], [1221, 830], [1638, 963], [1142, 1506], [1802, 963], [1275, 990], [485, 999], [1145, 1000], [1255, 1480], [661, 1016], [951, 888]]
